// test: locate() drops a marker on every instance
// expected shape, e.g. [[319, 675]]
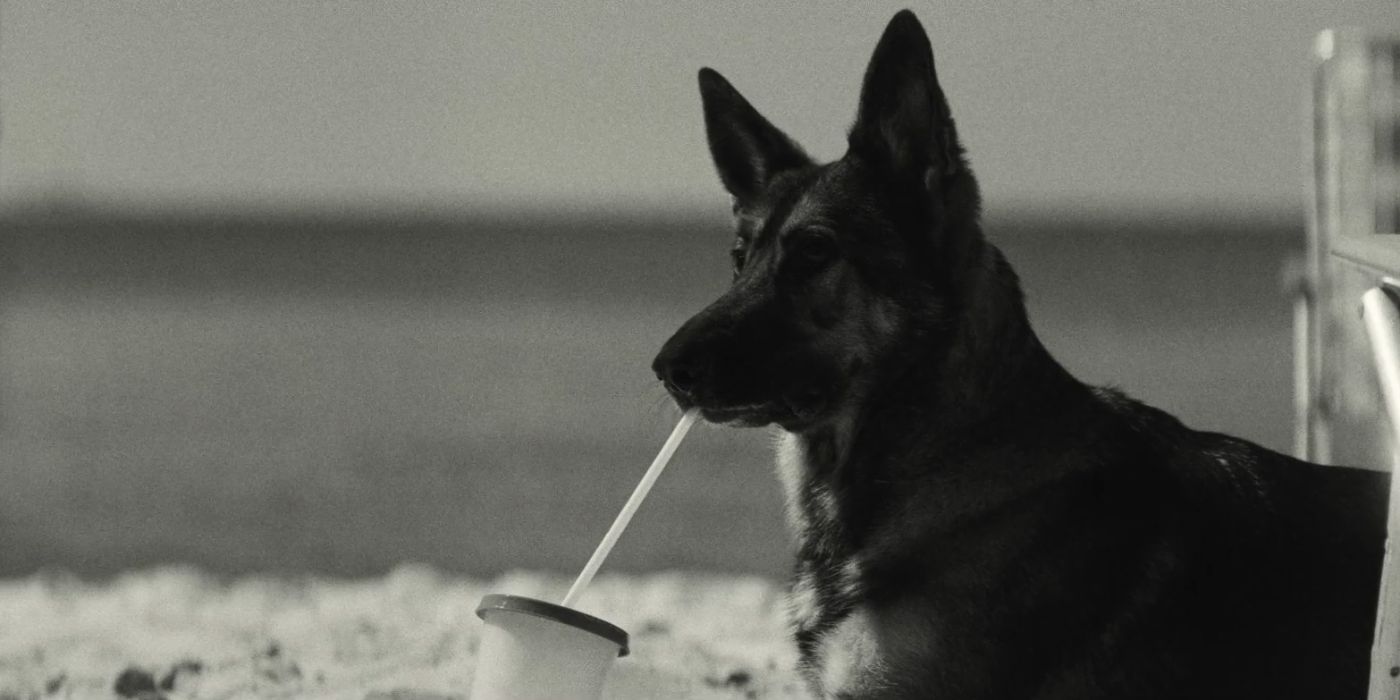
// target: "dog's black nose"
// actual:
[[681, 375], [684, 377]]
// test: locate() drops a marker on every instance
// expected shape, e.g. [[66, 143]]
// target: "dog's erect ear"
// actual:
[[903, 123], [747, 149]]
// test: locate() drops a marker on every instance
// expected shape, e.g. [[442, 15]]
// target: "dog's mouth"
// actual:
[[751, 416], [792, 391], [792, 411]]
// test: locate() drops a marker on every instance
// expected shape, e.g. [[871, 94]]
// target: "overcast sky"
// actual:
[[1157, 105]]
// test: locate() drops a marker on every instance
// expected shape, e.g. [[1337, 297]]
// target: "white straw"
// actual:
[[638, 495]]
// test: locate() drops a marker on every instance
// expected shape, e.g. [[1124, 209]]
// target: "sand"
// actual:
[[177, 633]]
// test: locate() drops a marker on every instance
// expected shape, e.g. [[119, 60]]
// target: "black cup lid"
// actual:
[[558, 613]]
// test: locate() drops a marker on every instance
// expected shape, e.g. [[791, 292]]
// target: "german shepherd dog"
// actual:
[[970, 520]]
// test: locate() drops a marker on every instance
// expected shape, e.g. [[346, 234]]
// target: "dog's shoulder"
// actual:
[[1237, 483], [1280, 558]]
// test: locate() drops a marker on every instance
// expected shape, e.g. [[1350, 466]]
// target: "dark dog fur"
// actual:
[[971, 520]]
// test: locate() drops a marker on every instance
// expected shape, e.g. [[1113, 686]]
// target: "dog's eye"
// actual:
[[739, 256], [811, 250]]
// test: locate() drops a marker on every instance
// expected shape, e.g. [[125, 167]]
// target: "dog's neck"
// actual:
[[934, 403], [985, 363], [989, 361]]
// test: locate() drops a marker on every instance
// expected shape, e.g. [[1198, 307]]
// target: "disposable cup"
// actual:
[[533, 650]]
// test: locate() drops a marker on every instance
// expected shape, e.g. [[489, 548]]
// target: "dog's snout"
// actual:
[[702, 352]]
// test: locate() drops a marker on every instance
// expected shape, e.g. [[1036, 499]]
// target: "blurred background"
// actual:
[[315, 287]]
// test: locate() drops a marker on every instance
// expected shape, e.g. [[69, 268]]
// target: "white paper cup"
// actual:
[[533, 650]]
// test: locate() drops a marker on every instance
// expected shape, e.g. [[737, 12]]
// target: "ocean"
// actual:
[[341, 393]]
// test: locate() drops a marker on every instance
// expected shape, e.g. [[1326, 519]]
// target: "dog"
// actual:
[[970, 520]]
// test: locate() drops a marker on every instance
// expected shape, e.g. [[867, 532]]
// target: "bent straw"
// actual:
[[638, 495]]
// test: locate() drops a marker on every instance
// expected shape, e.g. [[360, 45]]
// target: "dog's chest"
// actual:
[[838, 642], [835, 633], [847, 660]]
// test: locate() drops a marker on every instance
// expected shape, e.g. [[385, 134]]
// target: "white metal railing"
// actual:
[[1381, 316], [1343, 403]]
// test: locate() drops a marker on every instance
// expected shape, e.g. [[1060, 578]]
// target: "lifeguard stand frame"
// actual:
[[1348, 315]]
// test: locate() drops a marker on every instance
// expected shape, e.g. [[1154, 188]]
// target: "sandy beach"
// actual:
[[174, 633]]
